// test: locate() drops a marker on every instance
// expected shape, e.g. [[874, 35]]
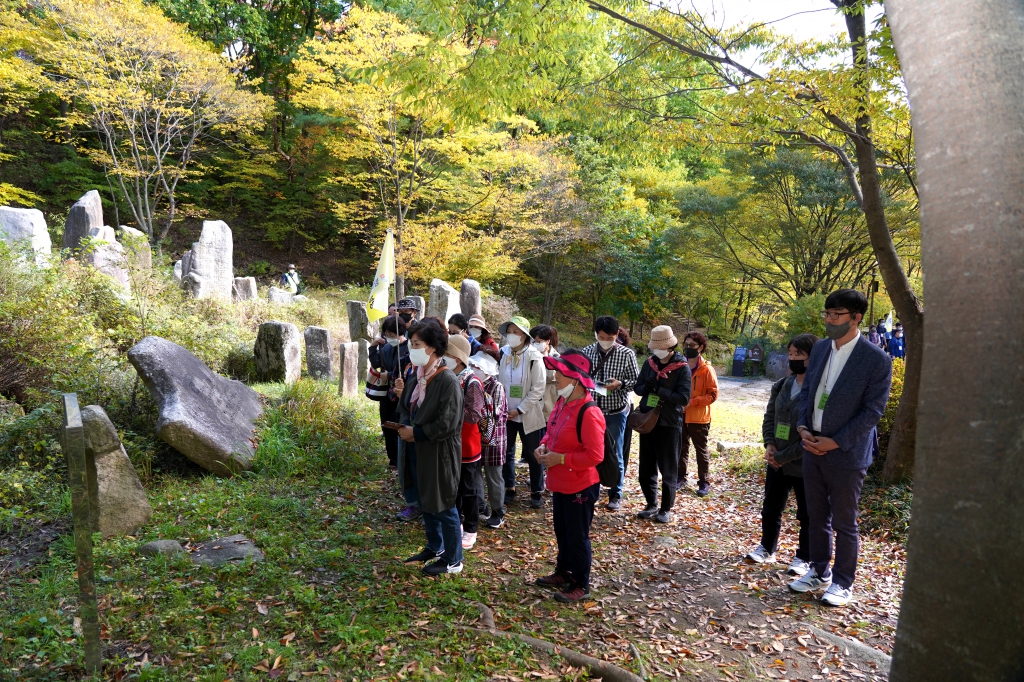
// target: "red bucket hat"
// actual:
[[574, 365]]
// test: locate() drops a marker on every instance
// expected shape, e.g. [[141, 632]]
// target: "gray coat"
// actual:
[[437, 426], [783, 409]]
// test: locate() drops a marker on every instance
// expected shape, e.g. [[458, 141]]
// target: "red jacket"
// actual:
[[578, 472]]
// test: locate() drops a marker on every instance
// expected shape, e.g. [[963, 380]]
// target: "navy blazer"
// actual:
[[854, 405]]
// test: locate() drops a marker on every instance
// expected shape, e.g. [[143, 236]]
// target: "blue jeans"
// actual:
[[443, 534], [407, 460], [615, 426]]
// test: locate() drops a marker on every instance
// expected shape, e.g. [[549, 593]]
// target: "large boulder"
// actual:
[[208, 271], [85, 214], [777, 365], [348, 377], [103, 252], [277, 295], [137, 246], [207, 418], [469, 298], [278, 352], [243, 289], [319, 353], [121, 503], [25, 228], [359, 325], [444, 300]]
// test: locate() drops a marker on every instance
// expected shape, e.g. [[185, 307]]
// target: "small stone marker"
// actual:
[[168, 548], [469, 298], [444, 300], [364, 358], [177, 270], [207, 272], [348, 379], [233, 548], [281, 296], [121, 503], [278, 353], [73, 444], [85, 214], [319, 353], [359, 325], [25, 228], [137, 246], [243, 289]]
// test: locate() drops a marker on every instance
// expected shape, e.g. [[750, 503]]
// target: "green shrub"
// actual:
[[804, 317], [889, 416]]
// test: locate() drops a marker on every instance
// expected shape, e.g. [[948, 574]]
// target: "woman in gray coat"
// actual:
[[430, 412], [784, 454]]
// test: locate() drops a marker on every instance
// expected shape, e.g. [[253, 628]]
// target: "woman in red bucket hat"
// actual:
[[571, 449]]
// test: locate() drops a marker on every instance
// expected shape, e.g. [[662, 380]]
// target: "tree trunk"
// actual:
[[899, 459], [960, 617]]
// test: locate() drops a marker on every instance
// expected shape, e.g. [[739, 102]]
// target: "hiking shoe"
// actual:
[[837, 596], [798, 567], [468, 540], [810, 581], [425, 555], [408, 514], [703, 489], [760, 555], [442, 567], [614, 503], [648, 512], [495, 521], [569, 594], [662, 517], [510, 495], [536, 502], [553, 580]]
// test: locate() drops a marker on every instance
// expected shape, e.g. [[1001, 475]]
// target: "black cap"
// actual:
[[407, 303]]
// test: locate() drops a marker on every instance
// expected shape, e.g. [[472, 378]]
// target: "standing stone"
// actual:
[[364, 358], [207, 418], [243, 289], [777, 365], [348, 381], [86, 213], [444, 300], [177, 271], [278, 353], [208, 271], [121, 503], [469, 298], [359, 325], [137, 244], [104, 253], [421, 306], [319, 353], [25, 228], [277, 295]]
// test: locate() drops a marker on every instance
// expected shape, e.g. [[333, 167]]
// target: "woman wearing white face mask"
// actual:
[[521, 372], [664, 390], [545, 341]]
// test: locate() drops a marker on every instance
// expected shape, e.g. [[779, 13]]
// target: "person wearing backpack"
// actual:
[[521, 372], [473, 411], [664, 391], [572, 448]]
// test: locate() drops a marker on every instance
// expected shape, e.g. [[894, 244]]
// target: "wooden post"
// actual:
[[74, 452]]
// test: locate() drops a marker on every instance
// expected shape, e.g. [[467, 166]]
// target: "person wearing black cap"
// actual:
[[408, 311]]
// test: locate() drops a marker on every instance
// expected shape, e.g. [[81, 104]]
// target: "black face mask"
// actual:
[[691, 353], [797, 366], [405, 317]]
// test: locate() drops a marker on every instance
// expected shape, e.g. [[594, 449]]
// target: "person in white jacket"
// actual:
[[521, 371]]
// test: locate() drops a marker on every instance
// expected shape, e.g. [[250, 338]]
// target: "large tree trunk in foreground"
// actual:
[[962, 616]]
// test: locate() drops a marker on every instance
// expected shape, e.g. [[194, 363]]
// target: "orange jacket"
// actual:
[[704, 391]]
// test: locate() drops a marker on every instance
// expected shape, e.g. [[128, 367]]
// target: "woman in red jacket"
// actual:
[[571, 449]]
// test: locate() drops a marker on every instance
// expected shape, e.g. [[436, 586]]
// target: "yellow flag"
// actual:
[[378, 305]]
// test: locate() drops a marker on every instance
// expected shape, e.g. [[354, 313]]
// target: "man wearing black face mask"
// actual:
[[842, 399], [408, 311]]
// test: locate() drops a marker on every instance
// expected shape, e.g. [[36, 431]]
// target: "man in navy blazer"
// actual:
[[842, 399]]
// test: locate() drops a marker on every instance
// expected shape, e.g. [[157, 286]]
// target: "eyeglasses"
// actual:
[[832, 315]]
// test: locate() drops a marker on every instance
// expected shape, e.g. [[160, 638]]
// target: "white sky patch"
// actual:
[[802, 19]]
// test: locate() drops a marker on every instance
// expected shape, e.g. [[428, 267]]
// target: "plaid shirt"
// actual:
[[621, 365]]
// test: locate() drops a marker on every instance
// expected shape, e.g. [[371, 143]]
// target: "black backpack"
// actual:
[[608, 469]]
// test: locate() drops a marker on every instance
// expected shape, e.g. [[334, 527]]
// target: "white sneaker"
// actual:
[[798, 567], [760, 555], [809, 582], [837, 596], [468, 540]]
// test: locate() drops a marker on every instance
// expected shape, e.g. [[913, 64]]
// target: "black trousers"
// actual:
[[698, 433], [530, 442], [659, 451], [776, 494], [573, 514], [388, 413], [465, 499]]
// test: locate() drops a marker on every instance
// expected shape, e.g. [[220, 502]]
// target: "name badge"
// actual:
[[782, 431], [824, 399], [600, 390], [653, 400], [515, 391]]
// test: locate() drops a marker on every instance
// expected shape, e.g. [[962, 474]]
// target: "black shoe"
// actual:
[[614, 503], [425, 555], [555, 580], [440, 567], [662, 517], [570, 594], [495, 521], [536, 502], [703, 489], [510, 495], [648, 512]]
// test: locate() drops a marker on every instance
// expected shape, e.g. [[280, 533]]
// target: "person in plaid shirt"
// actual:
[[615, 367]]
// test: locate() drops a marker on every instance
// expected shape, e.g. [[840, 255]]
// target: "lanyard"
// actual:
[[828, 371]]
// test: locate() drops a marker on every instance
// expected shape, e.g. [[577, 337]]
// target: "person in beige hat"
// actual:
[[479, 331], [662, 386], [456, 357]]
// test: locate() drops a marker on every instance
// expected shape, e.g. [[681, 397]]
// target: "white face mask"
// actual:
[[419, 356], [541, 346], [514, 340], [475, 333], [566, 391], [393, 340], [661, 354], [605, 345], [450, 362]]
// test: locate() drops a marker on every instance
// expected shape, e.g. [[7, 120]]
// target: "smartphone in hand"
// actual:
[[391, 425]]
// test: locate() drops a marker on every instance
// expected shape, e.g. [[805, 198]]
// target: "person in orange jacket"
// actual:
[[703, 392]]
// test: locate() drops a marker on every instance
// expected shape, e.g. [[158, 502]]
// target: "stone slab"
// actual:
[[278, 352], [121, 502], [348, 375], [444, 300], [231, 549], [469, 298], [85, 214], [208, 272], [243, 289], [359, 325], [319, 353]]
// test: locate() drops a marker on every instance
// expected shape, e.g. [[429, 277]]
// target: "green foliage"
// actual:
[[889, 415], [804, 316]]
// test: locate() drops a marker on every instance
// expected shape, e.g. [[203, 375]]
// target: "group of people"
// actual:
[[891, 342], [454, 403]]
